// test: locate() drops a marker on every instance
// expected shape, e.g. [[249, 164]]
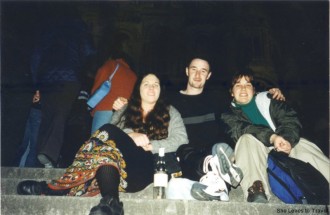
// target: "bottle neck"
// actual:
[[161, 165]]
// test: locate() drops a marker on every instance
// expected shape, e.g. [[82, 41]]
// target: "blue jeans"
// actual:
[[100, 118], [27, 152]]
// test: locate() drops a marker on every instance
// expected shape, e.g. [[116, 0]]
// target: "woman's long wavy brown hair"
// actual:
[[155, 125]]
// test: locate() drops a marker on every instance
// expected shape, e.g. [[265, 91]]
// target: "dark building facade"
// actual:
[[285, 43]]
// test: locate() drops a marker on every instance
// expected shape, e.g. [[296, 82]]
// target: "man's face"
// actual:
[[198, 72]]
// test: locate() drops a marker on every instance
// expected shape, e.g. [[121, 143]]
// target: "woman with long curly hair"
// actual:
[[119, 156]]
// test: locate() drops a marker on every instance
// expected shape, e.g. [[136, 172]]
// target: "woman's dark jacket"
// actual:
[[284, 119]]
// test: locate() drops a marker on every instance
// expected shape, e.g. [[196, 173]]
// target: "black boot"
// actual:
[[31, 187], [108, 206]]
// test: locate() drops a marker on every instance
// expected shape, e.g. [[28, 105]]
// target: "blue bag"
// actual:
[[102, 91], [296, 182]]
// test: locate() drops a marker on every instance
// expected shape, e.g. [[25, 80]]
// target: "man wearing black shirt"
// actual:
[[206, 154]]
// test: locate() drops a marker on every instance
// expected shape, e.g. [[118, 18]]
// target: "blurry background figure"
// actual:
[[61, 53], [122, 85], [27, 153], [78, 126]]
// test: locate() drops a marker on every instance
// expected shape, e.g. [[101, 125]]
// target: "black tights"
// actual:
[[108, 180]]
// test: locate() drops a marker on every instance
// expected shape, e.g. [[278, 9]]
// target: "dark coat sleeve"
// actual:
[[285, 119], [238, 124]]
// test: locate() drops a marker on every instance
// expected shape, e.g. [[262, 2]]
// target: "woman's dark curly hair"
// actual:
[[155, 125]]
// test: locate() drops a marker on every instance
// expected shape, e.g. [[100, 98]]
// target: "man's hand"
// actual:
[[36, 97], [277, 94], [281, 144], [139, 139], [119, 103]]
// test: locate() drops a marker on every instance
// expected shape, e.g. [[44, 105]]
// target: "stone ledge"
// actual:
[[40, 205], [31, 173], [134, 203], [11, 176]]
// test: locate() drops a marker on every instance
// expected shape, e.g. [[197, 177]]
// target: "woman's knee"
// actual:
[[111, 129], [108, 126], [112, 132], [247, 142], [247, 139]]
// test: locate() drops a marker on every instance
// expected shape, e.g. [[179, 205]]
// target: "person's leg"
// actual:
[[78, 129], [100, 118], [196, 166], [47, 113], [31, 160], [223, 161], [22, 162], [179, 188], [56, 105], [191, 161], [23, 150], [109, 146], [308, 152], [251, 157], [108, 179], [136, 165]]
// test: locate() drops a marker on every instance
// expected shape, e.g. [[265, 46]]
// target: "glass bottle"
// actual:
[[160, 176]]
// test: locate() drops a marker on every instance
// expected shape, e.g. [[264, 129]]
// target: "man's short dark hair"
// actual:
[[203, 55]]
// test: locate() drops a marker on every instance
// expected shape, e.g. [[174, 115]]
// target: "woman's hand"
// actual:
[[119, 103], [277, 94], [139, 139], [281, 144], [147, 147]]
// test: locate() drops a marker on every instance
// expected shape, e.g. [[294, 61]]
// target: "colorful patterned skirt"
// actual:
[[107, 146]]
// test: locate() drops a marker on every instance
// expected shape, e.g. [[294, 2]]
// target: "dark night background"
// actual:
[[286, 44]]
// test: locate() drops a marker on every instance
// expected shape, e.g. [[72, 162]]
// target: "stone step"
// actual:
[[8, 187], [12, 176], [42, 205], [54, 205], [134, 203], [31, 173]]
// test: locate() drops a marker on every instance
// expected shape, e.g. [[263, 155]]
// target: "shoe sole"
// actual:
[[259, 199], [45, 161], [231, 173], [197, 191]]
